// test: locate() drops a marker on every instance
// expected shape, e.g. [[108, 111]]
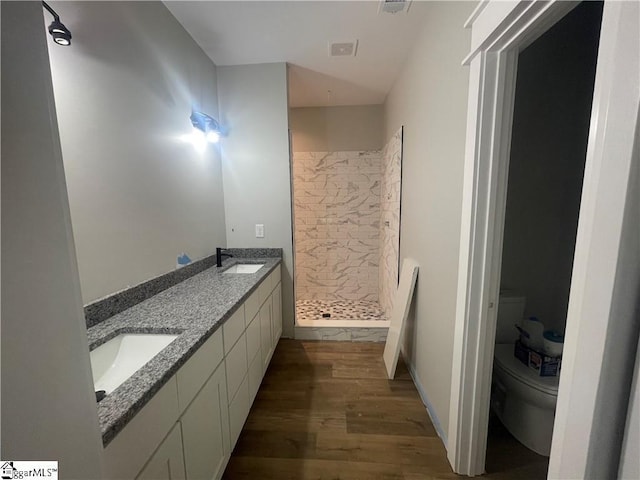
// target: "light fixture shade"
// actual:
[[61, 34], [206, 124]]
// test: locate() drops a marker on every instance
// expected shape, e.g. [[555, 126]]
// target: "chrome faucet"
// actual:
[[219, 255]]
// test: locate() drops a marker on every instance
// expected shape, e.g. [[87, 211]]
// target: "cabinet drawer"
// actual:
[[233, 328], [252, 305], [198, 368], [125, 456], [236, 364], [238, 411], [253, 338]]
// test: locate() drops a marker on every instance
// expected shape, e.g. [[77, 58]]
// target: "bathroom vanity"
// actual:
[[180, 415]]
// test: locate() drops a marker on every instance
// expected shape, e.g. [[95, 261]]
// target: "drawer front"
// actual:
[[125, 456], [253, 338], [198, 368], [233, 328], [252, 305], [236, 364]]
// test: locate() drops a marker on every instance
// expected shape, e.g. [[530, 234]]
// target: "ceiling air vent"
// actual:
[[394, 6], [343, 49]]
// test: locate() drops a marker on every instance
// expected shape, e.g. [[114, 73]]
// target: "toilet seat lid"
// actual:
[[506, 359]]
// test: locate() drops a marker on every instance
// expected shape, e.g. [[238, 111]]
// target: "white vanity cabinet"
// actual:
[[190, 427], [249, 357], [190, 408]]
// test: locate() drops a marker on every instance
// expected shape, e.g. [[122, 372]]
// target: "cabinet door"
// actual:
[[236, 363], [167, 463], [255, 376], [205, 430], [238, 411], [276, 326], [266, 337], [253, 338]]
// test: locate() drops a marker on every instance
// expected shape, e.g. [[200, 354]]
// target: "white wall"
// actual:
[[256, 165], [336, 129], [124, 92], [48, 403], [554, 91], [616, 427], [629, 461], [602, 321], [430, 99]]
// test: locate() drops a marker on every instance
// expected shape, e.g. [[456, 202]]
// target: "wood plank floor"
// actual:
[[326, 410]]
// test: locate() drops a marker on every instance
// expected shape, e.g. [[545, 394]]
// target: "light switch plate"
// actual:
[[259, 230]]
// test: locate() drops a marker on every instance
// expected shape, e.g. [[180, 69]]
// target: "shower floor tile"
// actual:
[[339, 310]]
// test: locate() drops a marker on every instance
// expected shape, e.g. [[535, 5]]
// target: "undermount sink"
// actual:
[[244, 268], [115, 361]]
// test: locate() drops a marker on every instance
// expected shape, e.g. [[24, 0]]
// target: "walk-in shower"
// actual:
[[346, 239]]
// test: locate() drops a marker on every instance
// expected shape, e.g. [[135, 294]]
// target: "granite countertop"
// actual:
[[194, 308]]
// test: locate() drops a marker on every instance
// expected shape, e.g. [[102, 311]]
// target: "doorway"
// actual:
[[550, 129], [591, 370]]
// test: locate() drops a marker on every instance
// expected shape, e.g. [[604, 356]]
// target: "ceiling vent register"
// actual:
[[343, 49], [394, 6]]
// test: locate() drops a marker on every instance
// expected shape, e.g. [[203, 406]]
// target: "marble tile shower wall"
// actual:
[[337, 224], [390, 221]]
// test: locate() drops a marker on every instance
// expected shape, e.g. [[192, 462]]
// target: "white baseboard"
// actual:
[[423, 396]]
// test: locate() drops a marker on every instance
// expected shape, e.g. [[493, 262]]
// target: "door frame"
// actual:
[[499, 31]]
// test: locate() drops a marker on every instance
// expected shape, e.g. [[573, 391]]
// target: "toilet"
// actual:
[[523, 401]]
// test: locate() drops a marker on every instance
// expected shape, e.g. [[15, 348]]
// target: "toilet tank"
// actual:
[[510, 312]]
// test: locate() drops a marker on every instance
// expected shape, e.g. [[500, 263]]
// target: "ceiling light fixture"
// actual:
[[61, 34]]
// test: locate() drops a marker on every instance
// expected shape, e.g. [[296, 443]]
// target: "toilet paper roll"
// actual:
[[553, 343]]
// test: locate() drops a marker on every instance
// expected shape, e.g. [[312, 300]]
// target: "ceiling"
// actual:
[[299, 33]]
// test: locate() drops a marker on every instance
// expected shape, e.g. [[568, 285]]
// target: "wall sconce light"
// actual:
[[207, 125], [205, 130], [61, 34]]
